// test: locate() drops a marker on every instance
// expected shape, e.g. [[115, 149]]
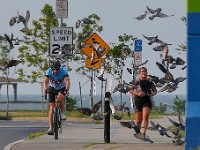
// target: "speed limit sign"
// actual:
[[61, 39]]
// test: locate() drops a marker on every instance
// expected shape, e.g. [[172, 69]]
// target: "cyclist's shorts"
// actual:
[[53, 92]]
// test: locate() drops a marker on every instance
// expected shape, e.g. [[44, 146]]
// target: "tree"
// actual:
[[34, 52], [4, 57]]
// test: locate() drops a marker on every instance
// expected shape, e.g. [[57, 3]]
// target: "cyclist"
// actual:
[[57, 79]]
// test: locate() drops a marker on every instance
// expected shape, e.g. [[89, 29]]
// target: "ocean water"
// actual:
[[37, 102]]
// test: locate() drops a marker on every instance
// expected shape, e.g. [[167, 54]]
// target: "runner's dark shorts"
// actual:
[[141, 102], [52, 93]]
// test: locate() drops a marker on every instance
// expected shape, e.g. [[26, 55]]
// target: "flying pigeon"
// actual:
[[11, 63], [113, 110], [101, 72], [9, 40], [131, 125], [158, 13], [24, 20], [141, 16], [91, 112], [83, 22], [162, 130], [179, 125], [162, 67], [152, 39]]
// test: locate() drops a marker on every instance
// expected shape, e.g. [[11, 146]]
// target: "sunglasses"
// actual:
[[55, 69]]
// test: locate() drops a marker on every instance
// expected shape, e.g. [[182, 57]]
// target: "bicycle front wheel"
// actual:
[[56, 123]]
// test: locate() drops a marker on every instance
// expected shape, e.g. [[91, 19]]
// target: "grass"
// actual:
[[13, 114], [70, 114], [34, 135]]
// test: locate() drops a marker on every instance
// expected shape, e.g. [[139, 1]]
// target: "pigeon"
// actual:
[[91, 112], [123, 108], [183, 68], [12, 21], [162, 67], [164, 52], [178, 140], [152, 11], [83, 21], [141, 16], [180, 61], [11, 63], [113, 110], [86, 21], [152, 39], [162, 130], [78, 23], [9, 40], [126, 51], [98, 49], [123, 88], [129, 70], [24, 20], [179, 125], [131, 125], [158, 13]]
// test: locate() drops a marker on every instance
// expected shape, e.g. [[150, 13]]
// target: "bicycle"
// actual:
[[57, 119]]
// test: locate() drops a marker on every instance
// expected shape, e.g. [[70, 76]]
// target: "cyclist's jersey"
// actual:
[[57, 81]]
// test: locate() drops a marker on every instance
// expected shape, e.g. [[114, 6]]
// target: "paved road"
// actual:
[[12, 131]]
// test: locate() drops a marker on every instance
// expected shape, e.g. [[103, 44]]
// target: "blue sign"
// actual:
[[138, 45]]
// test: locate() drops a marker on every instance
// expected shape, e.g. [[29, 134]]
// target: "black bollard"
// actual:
[[107, 118]]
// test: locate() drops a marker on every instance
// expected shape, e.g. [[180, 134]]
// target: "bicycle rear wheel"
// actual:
[[56, 123]]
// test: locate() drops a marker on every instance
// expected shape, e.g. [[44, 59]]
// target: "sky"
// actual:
[[117, 18]]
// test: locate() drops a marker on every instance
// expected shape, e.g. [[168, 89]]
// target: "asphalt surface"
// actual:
[[12, 131], [88, 135]]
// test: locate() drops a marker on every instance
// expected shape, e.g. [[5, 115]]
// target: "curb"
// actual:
[[10, 145]]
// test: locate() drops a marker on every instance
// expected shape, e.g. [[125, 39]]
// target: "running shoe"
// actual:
[[63, 116], [50, 131]]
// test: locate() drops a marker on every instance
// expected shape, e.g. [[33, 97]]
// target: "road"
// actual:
[[12, 131]]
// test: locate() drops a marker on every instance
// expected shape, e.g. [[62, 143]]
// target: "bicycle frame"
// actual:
[[57, 120]]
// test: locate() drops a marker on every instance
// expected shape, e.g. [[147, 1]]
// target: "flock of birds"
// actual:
[[153, 12], [167, 83], [10, 39], [170, 132]]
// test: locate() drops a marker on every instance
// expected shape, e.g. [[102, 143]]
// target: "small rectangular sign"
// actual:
[[61, 8], [138, 45]]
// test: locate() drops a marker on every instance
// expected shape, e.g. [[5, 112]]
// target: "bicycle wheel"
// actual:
[[59, 121], [56, 123]]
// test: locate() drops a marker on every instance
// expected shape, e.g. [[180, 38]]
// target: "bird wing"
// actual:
[[173, 122], [152, 11], [181, 120], [27, 18], [12, 21], [126, 124], [96, 107], [85, 111]]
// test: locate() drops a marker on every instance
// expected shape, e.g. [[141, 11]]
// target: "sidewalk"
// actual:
[[89, 136]]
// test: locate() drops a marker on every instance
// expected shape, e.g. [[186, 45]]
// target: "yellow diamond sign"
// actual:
[[95, 46]]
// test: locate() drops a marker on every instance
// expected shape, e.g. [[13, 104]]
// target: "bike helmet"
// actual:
[[55, 65]]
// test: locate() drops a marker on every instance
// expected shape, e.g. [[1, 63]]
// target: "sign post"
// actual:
[[61, 38], [137, 56]]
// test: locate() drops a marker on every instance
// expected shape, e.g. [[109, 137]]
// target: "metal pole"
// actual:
[[80, 94], [42, 99], [91, 92], [101, 96], [107, 118]]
